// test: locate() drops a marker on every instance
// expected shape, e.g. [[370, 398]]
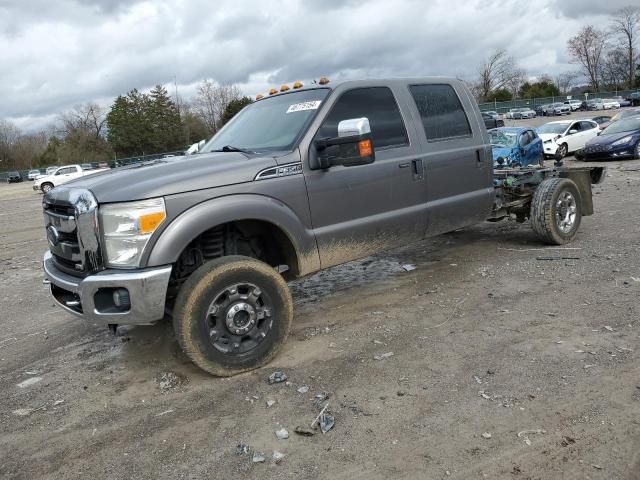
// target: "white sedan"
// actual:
[[566, 136], [610, 103]]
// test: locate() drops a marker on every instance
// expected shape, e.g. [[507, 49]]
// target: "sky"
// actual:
[[58, 54]]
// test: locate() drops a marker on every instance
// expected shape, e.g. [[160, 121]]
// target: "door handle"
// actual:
[[404, 165], [479, 160], [418, 169]]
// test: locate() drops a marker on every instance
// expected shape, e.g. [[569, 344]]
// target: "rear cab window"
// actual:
[[441, 111]]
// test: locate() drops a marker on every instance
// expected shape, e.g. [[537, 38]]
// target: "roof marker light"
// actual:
[[297, 85], [284, 88], [323, 80], [273, 91], [259, 96]]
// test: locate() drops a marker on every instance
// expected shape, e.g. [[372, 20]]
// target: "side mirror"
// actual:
[[352, 146], [571, 132]]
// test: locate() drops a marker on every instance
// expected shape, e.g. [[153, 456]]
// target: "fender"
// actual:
[[208, 214]]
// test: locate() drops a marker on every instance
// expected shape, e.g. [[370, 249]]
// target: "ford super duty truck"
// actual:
[[301, 180]]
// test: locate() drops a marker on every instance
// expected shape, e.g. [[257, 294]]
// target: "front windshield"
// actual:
[[625, 114], [620, 126], [272, 124], [558, 128], [502, 139]]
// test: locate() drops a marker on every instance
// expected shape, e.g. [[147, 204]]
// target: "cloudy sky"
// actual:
[[57, 54]]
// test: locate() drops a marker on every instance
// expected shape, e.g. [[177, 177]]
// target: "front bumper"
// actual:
[[91, 297], [36, 187]]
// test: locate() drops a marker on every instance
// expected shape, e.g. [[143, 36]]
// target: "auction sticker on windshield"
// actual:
[[299, 107]]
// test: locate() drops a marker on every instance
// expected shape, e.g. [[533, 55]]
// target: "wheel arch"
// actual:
[[284, 228]]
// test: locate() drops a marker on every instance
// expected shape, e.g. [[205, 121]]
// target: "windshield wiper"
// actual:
[[231, 148]]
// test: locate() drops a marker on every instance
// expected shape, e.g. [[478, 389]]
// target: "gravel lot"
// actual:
[[503, 366]]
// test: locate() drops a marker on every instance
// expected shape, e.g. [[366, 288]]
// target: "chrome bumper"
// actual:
[[147, 292]]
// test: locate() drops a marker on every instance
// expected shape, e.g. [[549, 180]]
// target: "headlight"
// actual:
[[622, 141], [126, 229]]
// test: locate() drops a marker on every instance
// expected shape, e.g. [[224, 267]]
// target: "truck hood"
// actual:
[[172, 175]]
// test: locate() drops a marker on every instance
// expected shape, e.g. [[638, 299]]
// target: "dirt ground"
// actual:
[[542, 355]]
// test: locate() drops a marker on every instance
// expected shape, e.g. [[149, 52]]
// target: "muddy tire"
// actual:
[[232, 315], [45, 187], [556, 211]]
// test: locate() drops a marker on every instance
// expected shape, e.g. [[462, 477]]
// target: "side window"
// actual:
[[379, 106], [576, 126], [441, 112], [587, 126], [524, 139]]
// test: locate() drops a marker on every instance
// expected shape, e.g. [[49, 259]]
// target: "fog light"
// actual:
[[121, 298]]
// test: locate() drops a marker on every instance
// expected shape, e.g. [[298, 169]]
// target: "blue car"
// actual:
[[619, 140], [516, 147]]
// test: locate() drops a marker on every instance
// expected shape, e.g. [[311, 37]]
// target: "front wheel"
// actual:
[[562, 150], [637, 151], [45, 187], [232, 315], [556, 211]]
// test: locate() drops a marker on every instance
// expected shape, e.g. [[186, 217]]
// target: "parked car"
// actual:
[[566, 136], [557, 108], [33, 174], [86, 166], [491, 122], [520, 113], [323, 175], [600, 119], [634, 98], [620, 140], [494, 114], [623, 102], [515, 147], [539, 109], [14, 177], [631, 112], [62, 175], [574, 104], [595, 104], [610, 103]]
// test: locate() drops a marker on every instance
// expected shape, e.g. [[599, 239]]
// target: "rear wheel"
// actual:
[[556, 211], [232, 315]]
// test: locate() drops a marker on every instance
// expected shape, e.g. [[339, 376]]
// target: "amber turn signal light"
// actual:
[[365, 148]]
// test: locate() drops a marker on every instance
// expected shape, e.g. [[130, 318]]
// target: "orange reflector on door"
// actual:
[[365, 148]]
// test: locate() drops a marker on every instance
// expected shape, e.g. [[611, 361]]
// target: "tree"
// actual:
[[211, 100], [565, 81], [499, 95], [626, 28], [233, 107], [614, 69], [194, 128], [166, 124], [81, 131], [496, 72], [142, 123], [542, 88], [586, 49]]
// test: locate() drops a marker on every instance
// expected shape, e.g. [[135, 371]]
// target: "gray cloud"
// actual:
[[71, 51]]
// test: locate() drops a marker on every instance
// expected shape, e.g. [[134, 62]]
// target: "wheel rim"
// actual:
[[46, 187], [238, 319], [566, 212], [563, 150]]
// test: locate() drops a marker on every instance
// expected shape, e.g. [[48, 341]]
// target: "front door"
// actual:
[[360, 210]]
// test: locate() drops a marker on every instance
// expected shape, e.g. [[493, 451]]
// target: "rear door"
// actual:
[[456, 153], [589, 130]]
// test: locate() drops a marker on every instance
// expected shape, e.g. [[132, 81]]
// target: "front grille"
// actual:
[[62, 236], [70, 217]]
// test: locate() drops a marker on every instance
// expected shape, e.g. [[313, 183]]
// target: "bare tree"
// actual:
[[614, 69], [211, 100], [9, 135], [565, 81], [586, 49], [626, 27], [496, 73], [515, 80], [89, 118]]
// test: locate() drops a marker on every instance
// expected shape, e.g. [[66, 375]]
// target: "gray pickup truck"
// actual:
[[301, 180]]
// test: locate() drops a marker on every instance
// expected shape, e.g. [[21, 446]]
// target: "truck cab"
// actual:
[[300, 180]]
